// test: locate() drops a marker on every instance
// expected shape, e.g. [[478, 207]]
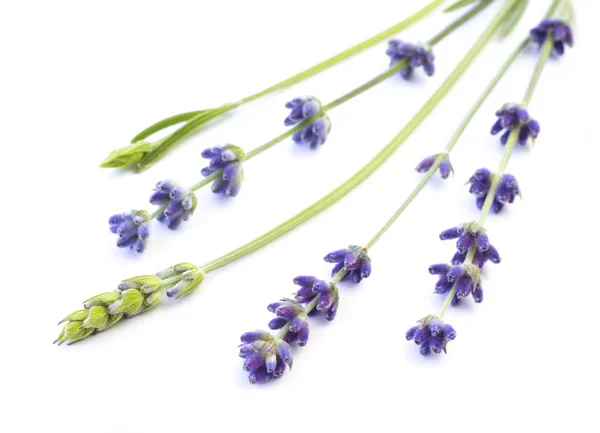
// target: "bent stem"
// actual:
[[374, 163]]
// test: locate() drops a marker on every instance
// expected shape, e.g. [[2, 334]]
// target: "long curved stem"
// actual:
[[374, 163], [362, 46]]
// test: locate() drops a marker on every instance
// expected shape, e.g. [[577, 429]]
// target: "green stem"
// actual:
[[453, 140], [508, 150], [374, 163], [466, 17], [158, 211], [544, 54], [362, 46]]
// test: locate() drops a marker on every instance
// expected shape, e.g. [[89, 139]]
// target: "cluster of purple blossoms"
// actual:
[[445, 166], [470, 235], [506, 192], [431, 334], [228, 161], [559, 30], [179, 202], [132, 228], [417, 55], [354, 260], [265, 356], [326, 294], [292, 312], [512, 116], [304, 108], [466, 278]]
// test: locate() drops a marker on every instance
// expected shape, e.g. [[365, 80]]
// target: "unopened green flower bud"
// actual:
[[152, 300], [127, 156], [130, 303], [175, 270], [190, 282], [97, 317], [143, 283]]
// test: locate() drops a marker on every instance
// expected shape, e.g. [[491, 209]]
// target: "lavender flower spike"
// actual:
[[327, 293], [512, 116], [419, 55], [431, 334], [507, 191], [468, 235], [132, 228], [228, 160], [180, 203], [304, 108], [560, 32], [445, 166], [265, 356], [354, 259]]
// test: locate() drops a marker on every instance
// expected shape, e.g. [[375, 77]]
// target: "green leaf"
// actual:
[[165, 123], [172, 140], [152, 300]]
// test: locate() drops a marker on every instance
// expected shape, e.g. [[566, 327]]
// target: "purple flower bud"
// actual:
[[445, 166], [506, 192], [465, 242], [512, 116], [418, 55], [431, 334], [326, 293], [452, 233], [265, 356], [132, 229], [315, 133], [439, 269], [228, 160], [354, 260], [558, 30], [179, 202]]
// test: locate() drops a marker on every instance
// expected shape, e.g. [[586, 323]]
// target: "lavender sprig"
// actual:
[[142, 154], [473, 246], [311, 125]]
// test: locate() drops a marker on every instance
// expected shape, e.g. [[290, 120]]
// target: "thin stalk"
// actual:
[[508, 150], [377, 160], [453, 140], [362, 46]]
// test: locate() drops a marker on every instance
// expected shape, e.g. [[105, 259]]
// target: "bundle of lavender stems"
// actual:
[[268, 353]]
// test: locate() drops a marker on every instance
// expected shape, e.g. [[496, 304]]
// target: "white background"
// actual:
[[81, 78]]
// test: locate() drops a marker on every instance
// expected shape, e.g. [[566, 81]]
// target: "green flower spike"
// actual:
[[133, 296]]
